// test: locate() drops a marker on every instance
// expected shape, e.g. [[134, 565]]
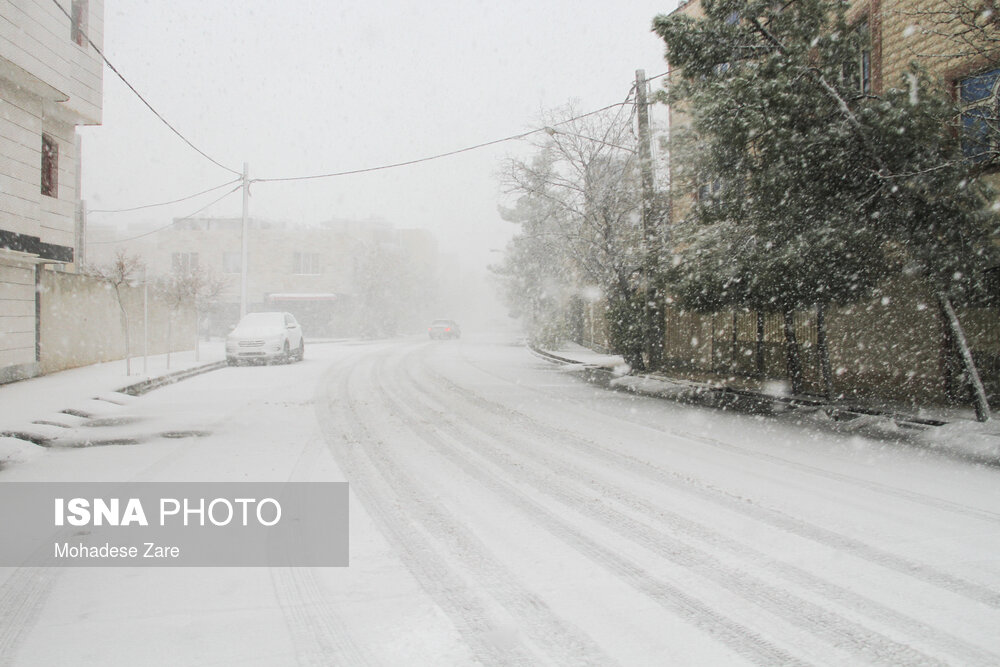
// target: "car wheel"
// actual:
[[286, 353], [232, 362], [301, 354]]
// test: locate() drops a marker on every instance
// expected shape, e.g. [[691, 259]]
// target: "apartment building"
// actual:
[[51, 81]]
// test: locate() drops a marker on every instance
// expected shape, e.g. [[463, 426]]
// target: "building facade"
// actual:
[[322, 274], [914, 363], [51, 80]]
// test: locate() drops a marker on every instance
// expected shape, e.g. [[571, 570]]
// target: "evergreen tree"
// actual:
[[812, 190]]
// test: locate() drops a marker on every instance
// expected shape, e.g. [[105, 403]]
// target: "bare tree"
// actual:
[[578, 203], [122, 272], [197, 287]]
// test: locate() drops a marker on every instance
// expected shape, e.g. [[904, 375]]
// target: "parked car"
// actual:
[[444, 329], [265, 337]]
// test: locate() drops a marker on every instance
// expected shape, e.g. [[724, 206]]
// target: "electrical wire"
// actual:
[[166, 203], [143, 99], [175, 221], [513, 137]]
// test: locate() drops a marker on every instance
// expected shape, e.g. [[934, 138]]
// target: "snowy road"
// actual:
[[505, 512]]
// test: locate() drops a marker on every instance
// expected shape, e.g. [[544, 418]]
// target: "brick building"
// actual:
[[893, 347]]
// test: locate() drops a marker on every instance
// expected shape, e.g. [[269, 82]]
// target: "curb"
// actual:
[[689, 391], [145, 386]]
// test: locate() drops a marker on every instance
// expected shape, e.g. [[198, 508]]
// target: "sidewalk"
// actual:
[[85, 390], [939, 427]]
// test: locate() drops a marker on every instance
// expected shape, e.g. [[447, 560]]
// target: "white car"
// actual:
[[265, 337]]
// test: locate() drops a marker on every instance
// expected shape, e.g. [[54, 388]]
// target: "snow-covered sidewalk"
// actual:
[[37, 406], [950, 428]]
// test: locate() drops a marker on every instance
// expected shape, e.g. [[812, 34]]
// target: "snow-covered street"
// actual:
[[504, 511]]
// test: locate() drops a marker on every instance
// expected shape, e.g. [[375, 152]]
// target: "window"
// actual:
[[858, 72], [232, 262], [78, 30], [50, 166], [708, 191], [978, 96], [184, 262], [305, 263]]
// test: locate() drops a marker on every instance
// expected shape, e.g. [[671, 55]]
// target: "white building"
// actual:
[[51, 80]]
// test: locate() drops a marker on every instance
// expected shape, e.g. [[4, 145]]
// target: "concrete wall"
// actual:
[[81, 322], [17, 317]]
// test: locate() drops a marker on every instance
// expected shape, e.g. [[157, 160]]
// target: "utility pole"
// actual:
[[245, 243], [651, 300]]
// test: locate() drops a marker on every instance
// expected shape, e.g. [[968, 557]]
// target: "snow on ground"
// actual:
[[89, 389], [960, 434], [504, 511]]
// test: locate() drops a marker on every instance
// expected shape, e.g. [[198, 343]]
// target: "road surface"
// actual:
[[505, 512]]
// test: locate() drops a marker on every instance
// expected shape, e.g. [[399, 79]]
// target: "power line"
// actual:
[[166, 203], [143, 99], [175, 221], [513, 137]]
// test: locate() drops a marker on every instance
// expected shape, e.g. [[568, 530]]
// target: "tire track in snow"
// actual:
[[873, 646], [770, 516], [736, 637], [384, 489], [904, 494], [22, 598], [319, 634]]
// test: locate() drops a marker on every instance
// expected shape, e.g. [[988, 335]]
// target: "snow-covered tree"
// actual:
[[122, 271], [536, 274], [392, 290], [196, 287], [578, 203], [811, 188]]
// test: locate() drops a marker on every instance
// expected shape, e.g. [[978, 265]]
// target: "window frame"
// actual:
[[986, 107], [50, 166], [183, 261], [306, 263]]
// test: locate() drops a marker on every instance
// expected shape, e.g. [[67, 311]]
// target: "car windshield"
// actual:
[[443, 323]]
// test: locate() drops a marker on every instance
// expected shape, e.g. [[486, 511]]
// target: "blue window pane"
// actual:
[[975, 134], [979, 87]]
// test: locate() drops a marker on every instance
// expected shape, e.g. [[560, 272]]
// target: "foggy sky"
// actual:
[[311, 86]]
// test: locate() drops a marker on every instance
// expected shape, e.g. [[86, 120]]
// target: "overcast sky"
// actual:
[[300, 87]]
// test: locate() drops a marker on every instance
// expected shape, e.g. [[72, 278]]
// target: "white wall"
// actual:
[[35, 36]]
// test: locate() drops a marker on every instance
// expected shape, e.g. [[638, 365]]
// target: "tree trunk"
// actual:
[[794, 361], [197, 333], [961, 346], [823, 348], [128, 337], [170, 322]]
